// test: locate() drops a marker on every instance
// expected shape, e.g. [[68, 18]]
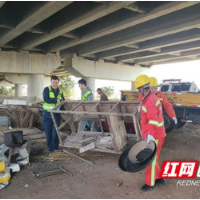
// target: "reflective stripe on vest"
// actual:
[[84, 97], [157, 102], [49, 106], [144, 109], [156, 123]]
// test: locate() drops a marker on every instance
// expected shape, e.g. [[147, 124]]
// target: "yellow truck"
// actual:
[[186, 106]]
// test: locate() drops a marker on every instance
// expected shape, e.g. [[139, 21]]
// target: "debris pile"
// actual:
[[20, 116], [13, 153], [27, 117]]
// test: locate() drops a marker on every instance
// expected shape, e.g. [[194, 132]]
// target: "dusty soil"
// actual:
[[100, 180]]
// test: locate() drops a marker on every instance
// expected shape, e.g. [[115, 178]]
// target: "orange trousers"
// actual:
[[152, 172]]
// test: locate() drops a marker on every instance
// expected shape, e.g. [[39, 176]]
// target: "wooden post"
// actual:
[[118, 131], [71, 123], [56, 126], [64, 123]]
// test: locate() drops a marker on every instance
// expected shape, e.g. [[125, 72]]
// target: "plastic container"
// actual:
[[5, 175], [2, 166]]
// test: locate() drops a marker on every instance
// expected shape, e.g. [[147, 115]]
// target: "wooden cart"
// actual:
[[114, 113]]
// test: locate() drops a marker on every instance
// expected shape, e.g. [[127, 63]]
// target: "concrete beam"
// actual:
[[135, 46], [158, 50], [146, 31], [6, 84], [35, 16], [70, 35], [113, 52], [2, 3], [158, 43], [25, 63], [102, 70], [22, 79], [15, 79], [172, 50], [136, 56], [126, 23], [167, 57], [90, 16], [176, 53], [173, 61], [135, 7]]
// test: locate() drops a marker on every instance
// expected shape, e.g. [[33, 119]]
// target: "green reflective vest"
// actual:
[[84, 97], [49, 106]]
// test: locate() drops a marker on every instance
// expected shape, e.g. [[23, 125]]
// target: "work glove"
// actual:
[[150, 138], [138, 108], [175, 120]]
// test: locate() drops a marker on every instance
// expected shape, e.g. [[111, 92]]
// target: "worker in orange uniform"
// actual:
[[152, 123], [161, 96]]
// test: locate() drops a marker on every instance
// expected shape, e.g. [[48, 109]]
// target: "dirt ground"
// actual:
[[100, 180]]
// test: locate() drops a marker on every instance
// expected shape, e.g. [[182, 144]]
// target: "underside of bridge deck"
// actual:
[[129, 32]]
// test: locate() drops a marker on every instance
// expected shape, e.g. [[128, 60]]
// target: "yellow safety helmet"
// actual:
[[142, 80], [154, 82]]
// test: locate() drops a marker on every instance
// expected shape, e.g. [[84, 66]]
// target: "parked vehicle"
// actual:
[[175, 85], [186, 103]]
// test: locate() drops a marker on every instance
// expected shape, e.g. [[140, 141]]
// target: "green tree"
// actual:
[[11, 90], [67, 86], [109, 91], [3, 90]]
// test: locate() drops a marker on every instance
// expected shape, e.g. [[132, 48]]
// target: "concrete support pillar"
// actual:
[[91, 85], [18, 90], [133, 86], [35, 86]]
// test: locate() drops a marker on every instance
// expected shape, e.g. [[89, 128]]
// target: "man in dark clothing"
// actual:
[[52, 96], [103, 96]]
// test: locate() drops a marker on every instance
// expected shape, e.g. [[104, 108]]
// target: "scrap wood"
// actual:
[[21, 117]]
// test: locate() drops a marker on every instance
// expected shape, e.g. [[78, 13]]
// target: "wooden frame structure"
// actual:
[[114, 113]]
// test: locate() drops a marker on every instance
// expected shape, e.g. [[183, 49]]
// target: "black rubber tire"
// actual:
[[180, 124], [169, 124]]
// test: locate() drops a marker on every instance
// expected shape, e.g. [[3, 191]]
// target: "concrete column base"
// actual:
[[18, 90], [35, 87]]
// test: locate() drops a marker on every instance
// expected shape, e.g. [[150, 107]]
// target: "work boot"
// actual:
[[160, 181], [146, 188]]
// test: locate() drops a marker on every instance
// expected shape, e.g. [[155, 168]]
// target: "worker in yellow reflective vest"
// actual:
[[52, 96], [86, 96]]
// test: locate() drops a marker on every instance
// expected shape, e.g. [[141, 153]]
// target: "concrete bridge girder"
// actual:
[[81, 67], [22, 79], [25, 63]]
